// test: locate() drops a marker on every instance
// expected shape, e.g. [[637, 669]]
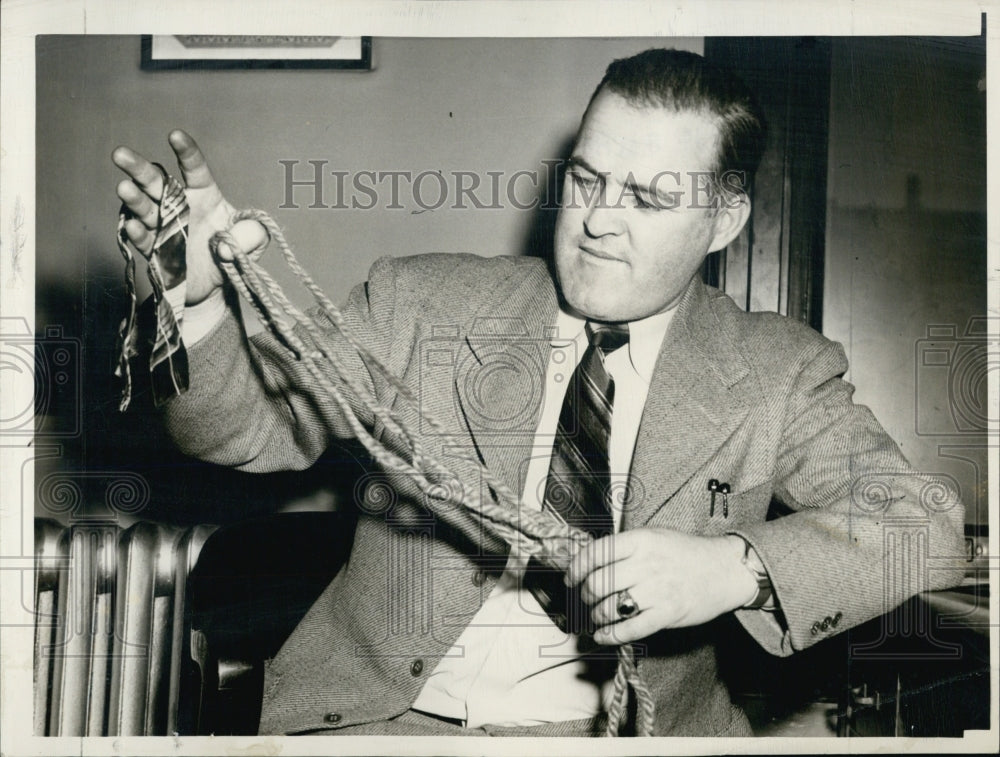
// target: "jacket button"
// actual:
[[815, 628], [478, 578], [416, 668], [825, 625], [836, 619], [332, 717]]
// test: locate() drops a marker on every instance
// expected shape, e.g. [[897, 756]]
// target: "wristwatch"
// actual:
[[753, 563]]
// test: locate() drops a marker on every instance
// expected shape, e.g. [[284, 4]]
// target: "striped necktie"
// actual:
[[167, 268], [577, 489]]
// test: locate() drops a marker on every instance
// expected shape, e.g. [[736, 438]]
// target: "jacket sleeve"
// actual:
[[866, 530], [254, 406]]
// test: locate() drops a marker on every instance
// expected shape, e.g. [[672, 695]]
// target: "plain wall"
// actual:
[[906, 245]]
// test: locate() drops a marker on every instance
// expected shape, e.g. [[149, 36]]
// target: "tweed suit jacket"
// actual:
[[755, 400]]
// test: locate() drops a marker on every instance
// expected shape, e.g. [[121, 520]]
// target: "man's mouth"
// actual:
[[599, 254]]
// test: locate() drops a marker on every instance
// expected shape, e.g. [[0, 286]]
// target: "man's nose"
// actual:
[[604, 215]]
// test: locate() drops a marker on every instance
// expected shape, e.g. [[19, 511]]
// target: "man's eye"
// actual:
[[658, 202], [581, 179], [649, 203]]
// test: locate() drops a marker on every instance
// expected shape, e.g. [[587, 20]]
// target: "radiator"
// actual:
[[113, 651]]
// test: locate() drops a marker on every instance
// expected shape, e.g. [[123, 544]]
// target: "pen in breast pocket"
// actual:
[[716, 488]]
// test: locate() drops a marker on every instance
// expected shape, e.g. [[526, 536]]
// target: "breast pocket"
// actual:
[[734, 506]]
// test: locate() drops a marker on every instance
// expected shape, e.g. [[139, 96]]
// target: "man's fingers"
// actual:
[[605, 612], [610, 579], [249, 235], [138, 203], [194, 167], [146, 176], [625, 631], [140, 237], [598, 553]]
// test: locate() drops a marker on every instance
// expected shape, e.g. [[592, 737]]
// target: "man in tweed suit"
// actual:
[[427, 629]]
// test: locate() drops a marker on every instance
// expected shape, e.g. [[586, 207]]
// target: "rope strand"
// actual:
[[533, 533]]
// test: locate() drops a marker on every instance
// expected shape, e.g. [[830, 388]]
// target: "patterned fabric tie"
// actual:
[[577, 489], [167, 268]]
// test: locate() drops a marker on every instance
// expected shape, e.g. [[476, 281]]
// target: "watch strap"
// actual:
[[751, 560]]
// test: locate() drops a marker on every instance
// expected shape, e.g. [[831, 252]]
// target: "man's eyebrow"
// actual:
[[635, 188], [631, 185]]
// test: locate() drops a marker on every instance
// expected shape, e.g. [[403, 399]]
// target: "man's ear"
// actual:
[[730, 218]]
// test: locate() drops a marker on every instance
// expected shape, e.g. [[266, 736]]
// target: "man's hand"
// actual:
[[675, 578], [210, 212]]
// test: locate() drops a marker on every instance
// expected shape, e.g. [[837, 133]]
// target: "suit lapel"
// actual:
[[695, 402], [500, 375], [697, 398]]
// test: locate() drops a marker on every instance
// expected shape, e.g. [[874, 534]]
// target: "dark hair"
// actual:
[[682, 80]]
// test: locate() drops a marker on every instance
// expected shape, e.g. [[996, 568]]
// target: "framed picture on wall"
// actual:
[[241, 51]]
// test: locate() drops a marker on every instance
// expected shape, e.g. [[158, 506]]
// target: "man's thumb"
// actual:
[[247, 236]]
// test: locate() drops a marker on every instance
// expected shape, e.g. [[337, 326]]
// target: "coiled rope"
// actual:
[[531, 532]]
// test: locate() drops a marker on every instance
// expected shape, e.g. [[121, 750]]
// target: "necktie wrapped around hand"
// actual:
[[166, 268]]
